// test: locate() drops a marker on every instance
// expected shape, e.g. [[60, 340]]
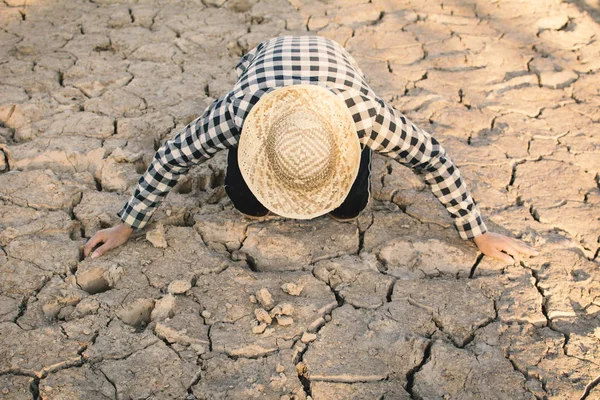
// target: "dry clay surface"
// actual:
[[204, 304]]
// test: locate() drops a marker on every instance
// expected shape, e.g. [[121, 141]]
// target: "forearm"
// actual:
[[153, 186], [446, 183], [214, 130], [399, 138]]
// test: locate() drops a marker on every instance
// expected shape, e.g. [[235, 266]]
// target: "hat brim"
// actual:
[[255, 167]]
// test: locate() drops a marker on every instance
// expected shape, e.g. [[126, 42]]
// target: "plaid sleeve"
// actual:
[[394, 135], [245, 61], [214, 130]]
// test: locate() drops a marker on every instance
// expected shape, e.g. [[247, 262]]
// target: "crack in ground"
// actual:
[[513, 175], [193, 383], [475, 264], [34, 388], [378, 20], [589, 388], [441, 328], [254, 357], [210, 344], [481, 326], [302, 370], [4, 156], [545, 309], [361, 238], [526, 376], [410, 375], [111, 382], [388, 296], [124, 357], [43, 373], [534, 213], [361, 234], [22, 308], [340, 300], [168, 344]]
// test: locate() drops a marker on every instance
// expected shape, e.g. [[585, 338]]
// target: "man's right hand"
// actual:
[[111, 237]]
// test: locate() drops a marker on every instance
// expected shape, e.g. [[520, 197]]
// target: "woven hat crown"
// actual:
[[301, 150]]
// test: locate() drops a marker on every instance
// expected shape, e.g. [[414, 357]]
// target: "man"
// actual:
[[295, 123]]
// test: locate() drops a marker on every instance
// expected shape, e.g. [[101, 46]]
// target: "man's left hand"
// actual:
[[503, 248]]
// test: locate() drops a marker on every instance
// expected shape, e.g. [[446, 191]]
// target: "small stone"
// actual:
[[3, 164], [65, 313], [253, 299], [206, 314], [239, 5], [137, 313], [275, 311], [259, 328], [87, 306], [301, 368], [179, 287], [558, 80], [51, 309], [282, 309], [263, 316], [163, 308], [279, 368], [292, 288], [157, 236], [553, 23], [92, 280], [268, 331], [265, 299], [328, 318], [308, 337], [286, 309], [284, 320], [214, 3]]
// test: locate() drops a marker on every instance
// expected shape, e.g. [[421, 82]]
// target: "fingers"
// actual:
[[525, 249], [513, 251], [102, 249], [95, 240], [110, 237], [503, 248], [498, 255], [515, 248]]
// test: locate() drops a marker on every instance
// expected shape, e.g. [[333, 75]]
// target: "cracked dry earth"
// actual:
[[392, 306]]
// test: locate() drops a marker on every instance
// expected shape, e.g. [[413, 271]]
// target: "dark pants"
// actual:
[[243, 199]]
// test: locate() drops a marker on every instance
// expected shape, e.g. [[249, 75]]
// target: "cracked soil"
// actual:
[[391, 306]]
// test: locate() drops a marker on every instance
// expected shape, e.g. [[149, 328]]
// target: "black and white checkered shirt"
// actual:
[[291, 60]]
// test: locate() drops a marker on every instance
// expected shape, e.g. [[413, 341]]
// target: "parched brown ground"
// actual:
[[393, 306]]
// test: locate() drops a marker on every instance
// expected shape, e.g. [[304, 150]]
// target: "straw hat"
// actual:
[[299, 151]]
